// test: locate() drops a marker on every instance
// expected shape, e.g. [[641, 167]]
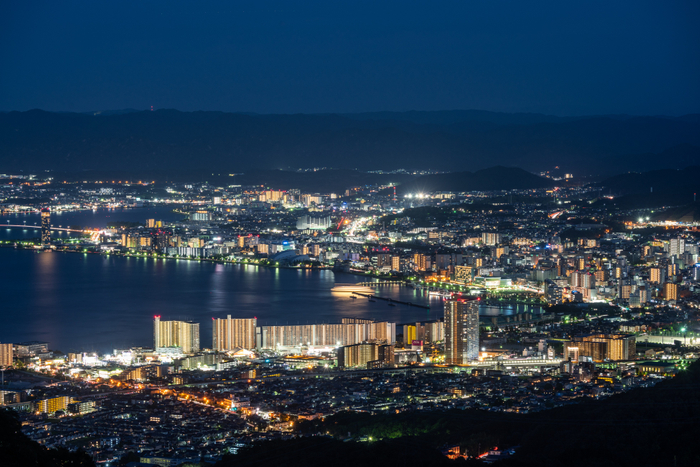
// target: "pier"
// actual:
[[374, 283], [391, 300]]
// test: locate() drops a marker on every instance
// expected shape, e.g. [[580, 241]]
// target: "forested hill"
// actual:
[[450, 140]]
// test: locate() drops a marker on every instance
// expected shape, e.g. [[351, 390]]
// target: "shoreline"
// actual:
[[404, 282]]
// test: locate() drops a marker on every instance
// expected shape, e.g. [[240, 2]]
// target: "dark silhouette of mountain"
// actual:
[[111, 112], [655, 180], [495, 178], [653, 189], [688, 213], [322, 181], [233, 142], [676, 157]]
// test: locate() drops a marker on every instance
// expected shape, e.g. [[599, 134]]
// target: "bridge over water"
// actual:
[[38, 227]]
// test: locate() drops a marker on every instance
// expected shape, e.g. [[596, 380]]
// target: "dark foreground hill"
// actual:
[[451, 141], [656, 426], [17, 450]]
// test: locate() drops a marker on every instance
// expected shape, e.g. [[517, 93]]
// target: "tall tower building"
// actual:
[[656, 275], [229, 333], [676, 247], [45, 226], [5, 355], [183, 334], [670, 291], [461, 331]]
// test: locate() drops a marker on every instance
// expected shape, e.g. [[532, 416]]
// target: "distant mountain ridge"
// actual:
[[445, 140], [664, 180], [492, 179]]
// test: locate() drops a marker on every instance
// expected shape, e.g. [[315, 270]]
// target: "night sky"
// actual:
[[558, 57]]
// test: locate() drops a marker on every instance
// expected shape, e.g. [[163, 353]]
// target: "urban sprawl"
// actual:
[[607, 301]]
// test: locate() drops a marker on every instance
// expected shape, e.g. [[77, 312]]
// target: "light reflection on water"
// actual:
[[79, 301], [93, 302]]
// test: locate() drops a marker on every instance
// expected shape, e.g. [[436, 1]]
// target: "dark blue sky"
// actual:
[[559, 57]]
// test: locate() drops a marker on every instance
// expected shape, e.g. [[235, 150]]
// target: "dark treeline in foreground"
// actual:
[[17, 450], [645, 427]]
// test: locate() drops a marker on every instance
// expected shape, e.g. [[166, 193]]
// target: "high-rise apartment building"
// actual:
[[600, 347], [313, 223], [231, 333], [582, 279], [54, 404], [490, 238], [357, 355], [676, 247], [350, 331], [670, 291], [409, 334], [5, 355], [421, 262], [383, 259], [183, 334], [672, 269], [45, 226], [31, 348], [273, 196], [461, 331]]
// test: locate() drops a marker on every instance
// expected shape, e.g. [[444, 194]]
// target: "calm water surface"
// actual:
[[94, 302]]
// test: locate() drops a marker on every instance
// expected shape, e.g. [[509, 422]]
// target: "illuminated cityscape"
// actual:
[[299, 234], [593, 309]]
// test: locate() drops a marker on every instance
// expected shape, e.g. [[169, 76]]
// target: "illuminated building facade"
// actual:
[[183, 334], [231, 333], [45, 227], [490, 238], [54, 404], [421, 262], [313, 223], [427, 331], [670, 291], [5, 355], [357, 355], [350, 331], [601, 347], [461, 331], [464, 274], [31, 348], [676, 247]]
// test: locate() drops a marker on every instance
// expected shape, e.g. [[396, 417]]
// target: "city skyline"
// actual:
[[248, 234]]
